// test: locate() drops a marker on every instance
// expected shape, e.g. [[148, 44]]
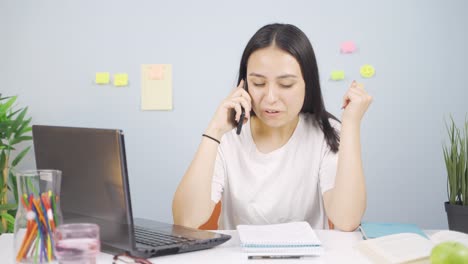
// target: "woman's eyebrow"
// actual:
[[286, 76], [279, 77]]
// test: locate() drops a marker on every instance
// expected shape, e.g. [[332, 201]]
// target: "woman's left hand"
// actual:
[[355, 103]]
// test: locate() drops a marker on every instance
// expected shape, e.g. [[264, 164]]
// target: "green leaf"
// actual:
[[10, 219], [13, 185], [456, 161], [19, 119], [4, 98], [10, 206], [8, 147], [11, 227], [20, 157], [10, 116], [23, 128], [6, 106], [2, 166], [4, 127], [19, 139]]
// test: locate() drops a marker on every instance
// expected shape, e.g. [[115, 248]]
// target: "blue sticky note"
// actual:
[[373, 230]]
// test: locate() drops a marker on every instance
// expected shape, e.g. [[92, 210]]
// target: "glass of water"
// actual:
[[77, 243]]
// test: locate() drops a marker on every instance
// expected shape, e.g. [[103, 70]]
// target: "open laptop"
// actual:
[[95, 189]]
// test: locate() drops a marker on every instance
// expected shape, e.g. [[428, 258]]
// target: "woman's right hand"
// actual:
[[222, 121]]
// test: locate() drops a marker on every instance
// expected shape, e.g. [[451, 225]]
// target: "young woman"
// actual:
[[293, 161]]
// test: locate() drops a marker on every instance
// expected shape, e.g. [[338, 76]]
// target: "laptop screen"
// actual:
[[94, 178]]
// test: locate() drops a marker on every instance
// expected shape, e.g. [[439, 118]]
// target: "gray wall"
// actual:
[[50, 50]]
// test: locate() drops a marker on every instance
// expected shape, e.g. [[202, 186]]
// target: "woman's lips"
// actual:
[[271, 112]]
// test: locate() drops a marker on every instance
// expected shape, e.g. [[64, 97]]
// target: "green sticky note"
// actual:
[[120, 79], [337, 75], [367, 71], [102, 78]]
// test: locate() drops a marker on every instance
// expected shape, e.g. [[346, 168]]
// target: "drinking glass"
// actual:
[[77, 243]]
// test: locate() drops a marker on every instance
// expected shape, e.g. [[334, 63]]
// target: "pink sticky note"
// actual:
[[156, 72], [348, 47]]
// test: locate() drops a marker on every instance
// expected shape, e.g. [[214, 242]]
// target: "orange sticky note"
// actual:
[[348, 47], [156, 72]]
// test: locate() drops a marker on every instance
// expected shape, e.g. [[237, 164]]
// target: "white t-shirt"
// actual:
[[284, 185]]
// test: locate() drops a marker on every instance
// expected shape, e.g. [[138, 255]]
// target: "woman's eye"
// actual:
[[259, 84], [286, 86]]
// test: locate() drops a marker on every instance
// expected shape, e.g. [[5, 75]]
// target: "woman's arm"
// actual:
[[192, 205], [345, 204]]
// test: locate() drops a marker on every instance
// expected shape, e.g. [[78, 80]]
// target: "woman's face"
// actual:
[[276, 86]]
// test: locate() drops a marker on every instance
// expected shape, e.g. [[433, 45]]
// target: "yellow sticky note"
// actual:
[[120, 79], [102, 78], [337, 75], [367, 71], [156, 87]]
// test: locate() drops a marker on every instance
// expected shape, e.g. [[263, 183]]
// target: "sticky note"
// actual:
[[367, 71], [120, 79], [348, 47], [337, 75], [156, 72], [102, 78], [156, 87]]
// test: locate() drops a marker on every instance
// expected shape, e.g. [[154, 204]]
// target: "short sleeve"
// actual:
[[328, 164], [217, 183]]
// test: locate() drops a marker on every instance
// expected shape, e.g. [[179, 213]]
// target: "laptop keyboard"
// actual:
[[154, 238]]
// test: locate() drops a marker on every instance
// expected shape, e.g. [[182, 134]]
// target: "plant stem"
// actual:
[[4, 199]]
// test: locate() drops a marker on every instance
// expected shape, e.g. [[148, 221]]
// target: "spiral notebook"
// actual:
[[289, 240]]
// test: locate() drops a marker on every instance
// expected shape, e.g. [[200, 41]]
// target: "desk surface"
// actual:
[[339, 248]]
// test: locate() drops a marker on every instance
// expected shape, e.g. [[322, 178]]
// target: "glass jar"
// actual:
[[77, 243], [38, 215]]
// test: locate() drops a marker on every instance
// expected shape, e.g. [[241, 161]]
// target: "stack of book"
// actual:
[[399, 243]]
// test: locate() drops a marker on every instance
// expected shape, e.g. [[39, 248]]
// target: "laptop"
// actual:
[[95, 189]]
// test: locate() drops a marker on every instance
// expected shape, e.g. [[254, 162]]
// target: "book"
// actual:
[[374, 230], [406, 247], [288, 240]]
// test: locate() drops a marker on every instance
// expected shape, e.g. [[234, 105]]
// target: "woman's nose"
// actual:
[[272, 94]]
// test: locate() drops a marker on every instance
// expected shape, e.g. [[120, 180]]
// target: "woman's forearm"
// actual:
[[348, 200], [192, 205]]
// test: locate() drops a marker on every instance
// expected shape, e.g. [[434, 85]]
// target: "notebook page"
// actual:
[[295, 234], [447, 235], [398, 248]]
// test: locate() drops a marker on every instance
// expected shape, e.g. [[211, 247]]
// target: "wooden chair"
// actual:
[[212, 223]]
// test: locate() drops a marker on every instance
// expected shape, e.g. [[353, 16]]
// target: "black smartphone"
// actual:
[[242, 116]]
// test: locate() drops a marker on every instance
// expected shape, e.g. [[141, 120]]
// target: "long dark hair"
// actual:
[[292, 40]]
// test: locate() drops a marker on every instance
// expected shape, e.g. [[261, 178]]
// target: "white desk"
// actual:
[[338, 249]]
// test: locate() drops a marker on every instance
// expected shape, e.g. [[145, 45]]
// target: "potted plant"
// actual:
[[456, 162], [14, 129]]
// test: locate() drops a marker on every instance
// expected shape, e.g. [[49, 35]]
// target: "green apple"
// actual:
[[449, 252]]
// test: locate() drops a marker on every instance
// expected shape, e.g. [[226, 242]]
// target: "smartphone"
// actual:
[[242, 116]]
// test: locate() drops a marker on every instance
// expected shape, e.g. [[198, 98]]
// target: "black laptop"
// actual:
[[95, 189]]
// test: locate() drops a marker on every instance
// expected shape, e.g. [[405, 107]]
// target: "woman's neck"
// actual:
[[268, 139]]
